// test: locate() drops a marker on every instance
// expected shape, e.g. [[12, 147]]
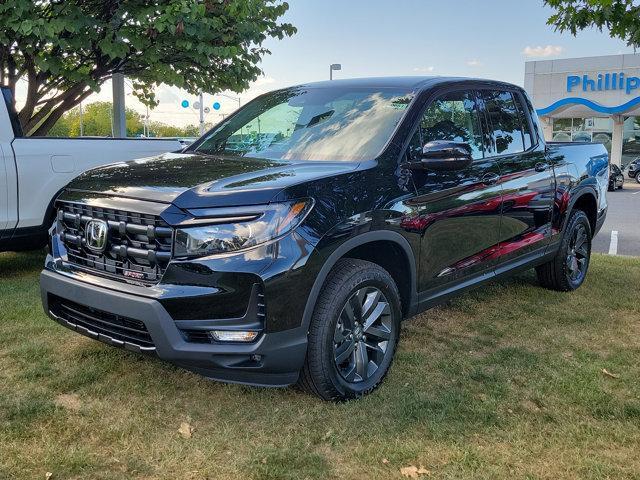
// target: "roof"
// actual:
[[405, 83]]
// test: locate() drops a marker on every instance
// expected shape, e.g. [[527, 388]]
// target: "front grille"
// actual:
[[105, 326], [138, 245]]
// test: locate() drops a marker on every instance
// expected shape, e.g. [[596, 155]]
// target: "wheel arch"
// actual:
[[357, 246], [585, 200]]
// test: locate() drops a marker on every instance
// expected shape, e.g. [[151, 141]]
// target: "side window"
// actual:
[[453, 117], [506, 122]]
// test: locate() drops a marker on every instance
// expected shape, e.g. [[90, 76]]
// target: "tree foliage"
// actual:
[[620, 17], [96, 121], [66, 49]]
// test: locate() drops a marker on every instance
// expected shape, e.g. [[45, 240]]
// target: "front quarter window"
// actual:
[[340, 123]]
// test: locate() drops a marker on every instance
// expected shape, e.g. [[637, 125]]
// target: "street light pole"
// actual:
[[146, 123], [332, 67], [201, 114], [81, 121], [238, 99]]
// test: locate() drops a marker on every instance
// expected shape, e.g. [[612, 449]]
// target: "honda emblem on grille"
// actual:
[[95, 235]]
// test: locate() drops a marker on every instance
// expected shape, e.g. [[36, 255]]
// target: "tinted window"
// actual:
[[505, 121], [311, 124], [452, 117]]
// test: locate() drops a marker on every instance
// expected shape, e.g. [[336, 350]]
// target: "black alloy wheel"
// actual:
[[578, 254], [362, 333], [568, 268], [353, 333]]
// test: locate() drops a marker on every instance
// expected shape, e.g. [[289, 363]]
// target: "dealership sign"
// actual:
[[602, 82]]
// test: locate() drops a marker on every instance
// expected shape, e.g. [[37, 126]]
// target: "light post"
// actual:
[[201, 109], [146, 123], [332, 67], [217, 105], [231, 98], [81, 121]]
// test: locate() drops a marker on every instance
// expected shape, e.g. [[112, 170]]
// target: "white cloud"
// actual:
[[475, 63], [264, 80], [428, 69], [540, 51]]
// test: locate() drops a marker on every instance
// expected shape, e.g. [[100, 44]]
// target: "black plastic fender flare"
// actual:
[[342, 249]]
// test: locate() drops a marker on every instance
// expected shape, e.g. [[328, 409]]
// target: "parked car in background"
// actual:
[[288, 243], [186, 141], [33, 171], [633, 167], [616, 178]]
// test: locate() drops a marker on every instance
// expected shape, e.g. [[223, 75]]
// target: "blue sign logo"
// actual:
[[216, 105], [185, 103], [602, 82]]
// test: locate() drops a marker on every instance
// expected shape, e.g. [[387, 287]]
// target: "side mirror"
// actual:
[[444, 155]]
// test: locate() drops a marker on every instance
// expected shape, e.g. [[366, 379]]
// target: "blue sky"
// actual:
[[408, 37], [475, 38]]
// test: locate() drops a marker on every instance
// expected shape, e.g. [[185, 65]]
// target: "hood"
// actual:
[[193, 180]]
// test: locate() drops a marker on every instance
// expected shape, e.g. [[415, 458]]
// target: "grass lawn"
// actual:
[[504, 382]]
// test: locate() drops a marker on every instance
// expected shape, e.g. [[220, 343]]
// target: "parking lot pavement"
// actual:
[[623, 217]]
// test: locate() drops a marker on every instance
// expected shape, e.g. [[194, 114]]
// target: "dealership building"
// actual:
[[589, 99]]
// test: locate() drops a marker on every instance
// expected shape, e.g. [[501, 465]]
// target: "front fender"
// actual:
[[336, 251]]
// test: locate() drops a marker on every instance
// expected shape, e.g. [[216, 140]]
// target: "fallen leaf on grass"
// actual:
[[609, 374], [185, 430], [385, 461], [48, 475], [413, 471], [69, 401]]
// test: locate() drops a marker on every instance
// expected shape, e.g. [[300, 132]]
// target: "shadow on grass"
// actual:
[[12, 264]]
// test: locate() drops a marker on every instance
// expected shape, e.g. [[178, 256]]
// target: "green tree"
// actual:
[[620, 17], [158, 129], [66, 49], [96, 121], [62, 128]]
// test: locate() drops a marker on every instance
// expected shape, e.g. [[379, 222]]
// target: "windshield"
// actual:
[[303, 123]]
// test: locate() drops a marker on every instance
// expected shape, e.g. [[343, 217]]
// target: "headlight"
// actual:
[[248, 229]]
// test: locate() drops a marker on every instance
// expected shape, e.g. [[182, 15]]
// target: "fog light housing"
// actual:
[[233, 335]]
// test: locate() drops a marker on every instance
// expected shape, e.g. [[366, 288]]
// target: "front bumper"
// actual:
[[274, 359]]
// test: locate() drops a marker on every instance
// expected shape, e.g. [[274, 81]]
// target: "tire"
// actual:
[[342, 350], [574, 253], [637, 177]]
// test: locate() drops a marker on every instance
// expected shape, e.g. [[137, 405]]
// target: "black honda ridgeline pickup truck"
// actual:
[[288, 243]]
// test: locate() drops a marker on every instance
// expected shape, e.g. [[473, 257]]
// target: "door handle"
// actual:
[[541, 167], [490, 178]]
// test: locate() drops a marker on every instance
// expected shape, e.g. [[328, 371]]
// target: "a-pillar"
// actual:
[[616, 140]]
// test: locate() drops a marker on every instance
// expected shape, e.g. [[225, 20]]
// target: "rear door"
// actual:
[[9, 128], [4, 191], [456, 212], [526, 177]]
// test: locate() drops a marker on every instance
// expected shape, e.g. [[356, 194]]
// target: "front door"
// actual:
[[456, 212], [527, 179]]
